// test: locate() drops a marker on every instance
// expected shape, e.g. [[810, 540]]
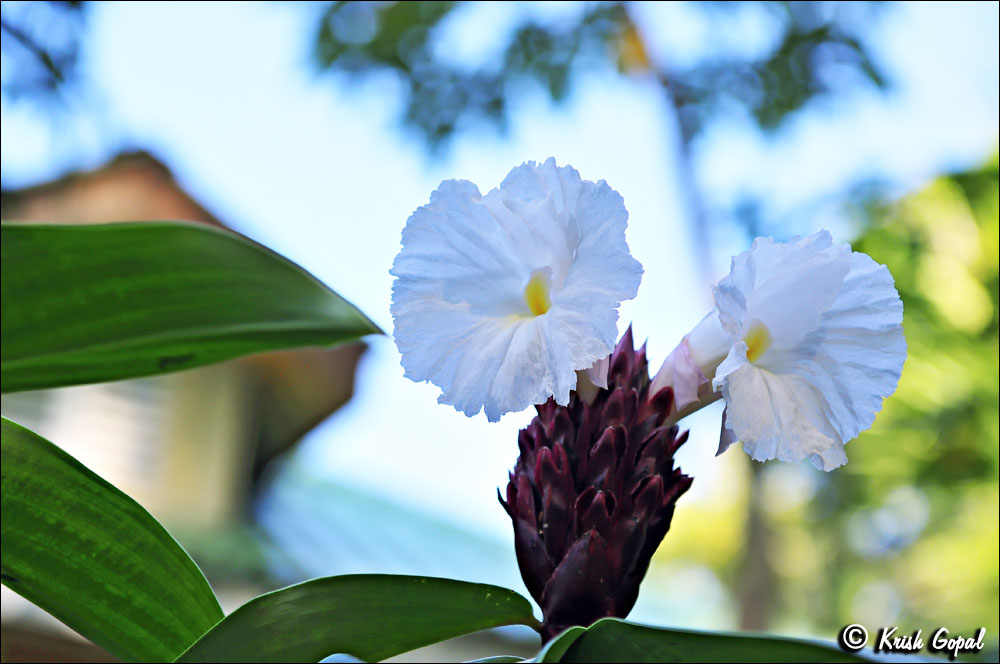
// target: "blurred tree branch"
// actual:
[[40, 53], [820, 52], [40, 43]]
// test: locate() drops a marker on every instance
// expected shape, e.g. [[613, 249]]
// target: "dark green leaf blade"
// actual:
[[557, 647], [84, 304], [371, 616], [613, 640], [94, 558]]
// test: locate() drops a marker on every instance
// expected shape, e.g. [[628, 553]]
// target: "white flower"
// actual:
[[500, 299], [804, 344]]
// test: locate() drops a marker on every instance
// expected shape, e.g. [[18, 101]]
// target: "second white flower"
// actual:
[[804, 343]]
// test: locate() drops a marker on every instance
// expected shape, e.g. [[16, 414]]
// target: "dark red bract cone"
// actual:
[[592, 495]]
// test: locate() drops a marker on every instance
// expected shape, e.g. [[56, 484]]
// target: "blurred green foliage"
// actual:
[[915, 515], [907, 532], [817, 50]]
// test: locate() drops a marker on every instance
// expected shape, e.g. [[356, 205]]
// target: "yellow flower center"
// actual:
[[758, 340], [536, 293]]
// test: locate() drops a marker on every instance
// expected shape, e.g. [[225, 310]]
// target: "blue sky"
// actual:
[[321, 173]]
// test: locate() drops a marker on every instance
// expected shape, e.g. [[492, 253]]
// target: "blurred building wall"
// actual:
[[189, 446]]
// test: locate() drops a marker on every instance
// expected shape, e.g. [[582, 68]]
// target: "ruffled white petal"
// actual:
[[807, 400], [776, 416], [856, 356], [461, 319], [784, 285]]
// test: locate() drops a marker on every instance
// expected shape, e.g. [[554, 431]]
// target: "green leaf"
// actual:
[[556, 648], [613, 640], [83, 304], [94, 558], [497, 659], [371, 616]]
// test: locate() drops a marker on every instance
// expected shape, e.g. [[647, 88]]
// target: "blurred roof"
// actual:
[[298, 388], [131, 186]]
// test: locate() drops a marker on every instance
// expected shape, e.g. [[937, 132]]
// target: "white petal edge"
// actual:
[[784, 285]]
